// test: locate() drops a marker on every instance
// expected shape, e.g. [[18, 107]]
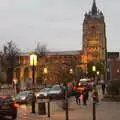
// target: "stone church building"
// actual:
[[94, 36]]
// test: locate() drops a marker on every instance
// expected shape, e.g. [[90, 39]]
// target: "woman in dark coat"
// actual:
[[77, 97]]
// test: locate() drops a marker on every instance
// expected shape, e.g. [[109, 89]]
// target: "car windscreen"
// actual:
[[23, 94], [82, 84], [45, 89], [55, 87]]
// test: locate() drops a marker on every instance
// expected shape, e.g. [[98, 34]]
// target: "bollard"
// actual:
[[94, 110], [49, 109]]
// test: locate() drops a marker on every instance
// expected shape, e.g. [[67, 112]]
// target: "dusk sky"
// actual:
[[56, 23]]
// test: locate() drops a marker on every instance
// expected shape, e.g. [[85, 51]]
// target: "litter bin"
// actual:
[[41, 108], [42, 100]]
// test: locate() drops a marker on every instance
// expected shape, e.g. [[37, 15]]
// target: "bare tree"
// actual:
[[9, 56], [41, 50]]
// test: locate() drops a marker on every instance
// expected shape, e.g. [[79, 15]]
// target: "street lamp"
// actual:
[[15, 83], [66, 102], [45, 71], [94, 71], [71, 71], [98, 72], [33, 63], [94, 102], [66, 97], [93, 68]]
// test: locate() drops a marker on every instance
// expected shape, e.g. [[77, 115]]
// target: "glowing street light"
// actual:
[[15, 83], [33, 63], [45, 71], [93, 68], [94, 102], [98, 72], [71, 71], [33, 59]]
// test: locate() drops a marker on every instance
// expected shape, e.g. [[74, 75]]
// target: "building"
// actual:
[[93, 49], [113, 69], [47, 68], [94, 36]]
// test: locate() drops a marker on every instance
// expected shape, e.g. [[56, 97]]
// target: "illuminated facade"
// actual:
[[49, 62], [94, 36], [93, 49]]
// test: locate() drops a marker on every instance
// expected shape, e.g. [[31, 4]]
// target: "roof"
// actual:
[[94, 8], [74, 52], [94, 13], [65, 53]]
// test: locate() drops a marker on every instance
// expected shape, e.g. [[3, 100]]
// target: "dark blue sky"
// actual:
[[56, 23]]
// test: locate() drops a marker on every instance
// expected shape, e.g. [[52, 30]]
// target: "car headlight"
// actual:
[[38, 94], [45, 94], [23, 98]]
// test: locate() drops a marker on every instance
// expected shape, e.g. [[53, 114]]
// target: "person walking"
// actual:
[[103, 88], [85, 96], [77, 97]]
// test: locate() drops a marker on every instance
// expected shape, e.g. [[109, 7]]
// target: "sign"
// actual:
[[42, 100]]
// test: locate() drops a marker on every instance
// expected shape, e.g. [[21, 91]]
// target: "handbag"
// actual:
[[81, 97]]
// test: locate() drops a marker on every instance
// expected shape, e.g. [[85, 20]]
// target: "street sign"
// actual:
[[42, 100]]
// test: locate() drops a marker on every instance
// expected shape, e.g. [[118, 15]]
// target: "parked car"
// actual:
[[8, 107], [56, 92], [25, 97], [43, 92]]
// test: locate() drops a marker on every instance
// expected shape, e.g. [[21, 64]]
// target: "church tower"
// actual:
[[94, 36]]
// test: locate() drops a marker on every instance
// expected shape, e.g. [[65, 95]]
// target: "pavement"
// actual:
[[104, 111]]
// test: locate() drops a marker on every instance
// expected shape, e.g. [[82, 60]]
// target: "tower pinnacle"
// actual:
[[94, 8]]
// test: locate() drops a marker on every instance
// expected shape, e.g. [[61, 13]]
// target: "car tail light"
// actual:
[[15, 105]]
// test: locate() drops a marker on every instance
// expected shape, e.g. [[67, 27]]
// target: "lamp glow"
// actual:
[[94, 68], [33, 59]]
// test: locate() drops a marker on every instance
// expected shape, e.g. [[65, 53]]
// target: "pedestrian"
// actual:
[[85, 96], [103, 88], [77, 97]]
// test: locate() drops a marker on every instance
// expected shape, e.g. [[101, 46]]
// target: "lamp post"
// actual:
[[93, 68], [94, 102], [98, 77], [45, 71], [71, 71], [33, 63], [15, 82], [66, 97], [66, 102], [98, 72]]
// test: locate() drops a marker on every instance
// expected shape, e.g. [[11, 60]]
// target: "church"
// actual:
[[94, 37], [94, 49]]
